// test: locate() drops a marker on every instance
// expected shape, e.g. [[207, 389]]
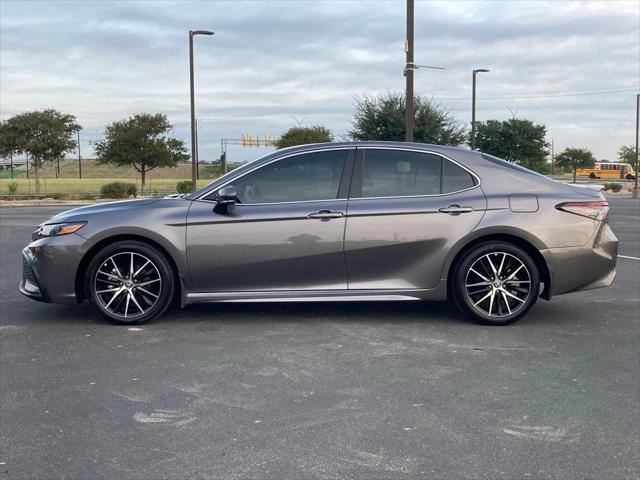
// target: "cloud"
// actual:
[[272, 61]]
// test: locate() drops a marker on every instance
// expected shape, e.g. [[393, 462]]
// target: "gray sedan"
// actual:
[[327, 222]]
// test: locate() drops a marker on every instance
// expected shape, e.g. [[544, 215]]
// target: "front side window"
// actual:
[[397, 173], [305, 177]]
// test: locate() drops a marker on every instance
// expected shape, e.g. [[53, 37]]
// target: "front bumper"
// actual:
[[30, 284], [574, 269], [49, 267]]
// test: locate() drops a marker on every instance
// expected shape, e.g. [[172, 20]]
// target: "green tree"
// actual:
[[44, 135], [627, 154], [382, 117], [141, 142], [515, 140], [8, 140], [303, 135], [575, 158]]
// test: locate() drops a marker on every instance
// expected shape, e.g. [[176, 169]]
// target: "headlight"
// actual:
[[57, 229]]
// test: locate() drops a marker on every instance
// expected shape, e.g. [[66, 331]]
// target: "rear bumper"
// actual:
[[574, 269]]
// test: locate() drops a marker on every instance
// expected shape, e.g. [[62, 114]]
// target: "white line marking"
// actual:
[[630, 258]]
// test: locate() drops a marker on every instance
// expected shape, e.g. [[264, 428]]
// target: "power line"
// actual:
[[604, 125], [523, 97]]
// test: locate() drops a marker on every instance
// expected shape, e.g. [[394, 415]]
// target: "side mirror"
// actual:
[[227, 196]]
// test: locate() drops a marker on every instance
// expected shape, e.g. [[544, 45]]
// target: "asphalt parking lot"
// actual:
[[344, 390]]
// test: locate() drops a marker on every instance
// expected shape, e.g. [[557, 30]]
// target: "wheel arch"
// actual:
[[91, 252], [509, 237]]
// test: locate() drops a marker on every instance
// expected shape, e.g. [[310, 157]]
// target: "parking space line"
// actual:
[[630, 258]]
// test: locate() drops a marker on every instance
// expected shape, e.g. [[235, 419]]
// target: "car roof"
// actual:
[[402, 145]]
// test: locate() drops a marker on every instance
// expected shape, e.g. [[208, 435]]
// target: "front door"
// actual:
[[407, 208], [286, 234]]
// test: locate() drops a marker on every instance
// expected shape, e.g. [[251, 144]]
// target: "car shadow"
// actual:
[[274, 312], [406, 312], [300, 312]]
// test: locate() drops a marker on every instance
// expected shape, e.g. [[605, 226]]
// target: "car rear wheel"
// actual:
[[130, 282], [496, 283]]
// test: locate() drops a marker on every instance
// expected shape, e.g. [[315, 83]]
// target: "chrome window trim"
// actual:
[[430, 152], [201, 197], [285, 203], [354, 147]]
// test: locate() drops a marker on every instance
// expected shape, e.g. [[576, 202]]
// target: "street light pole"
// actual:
[[197, 154], [473, 106], [194, 167], [408, 71], [79, 158], [635, 183]]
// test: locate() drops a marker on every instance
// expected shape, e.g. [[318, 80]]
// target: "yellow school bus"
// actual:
[[612, 170]]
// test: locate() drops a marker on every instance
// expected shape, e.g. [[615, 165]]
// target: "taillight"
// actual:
[[596, 209]]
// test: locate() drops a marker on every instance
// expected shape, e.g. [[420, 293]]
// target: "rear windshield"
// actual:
[[511, 165]]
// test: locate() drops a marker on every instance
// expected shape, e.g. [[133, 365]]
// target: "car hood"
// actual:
[[78, 213]]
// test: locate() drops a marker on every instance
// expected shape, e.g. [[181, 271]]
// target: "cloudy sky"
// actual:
[[574, 66]]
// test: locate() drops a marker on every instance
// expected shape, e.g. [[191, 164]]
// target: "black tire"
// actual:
[[132, 255], [593, 176], [467, 289], [630, 177]]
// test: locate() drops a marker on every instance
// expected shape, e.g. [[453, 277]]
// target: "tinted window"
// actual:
[[455, 178], [312, 176], [391, 173]]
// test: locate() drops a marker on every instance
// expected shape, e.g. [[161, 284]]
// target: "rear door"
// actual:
[[406, 209]]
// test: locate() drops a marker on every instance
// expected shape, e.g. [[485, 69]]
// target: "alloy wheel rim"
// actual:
[[498, 284], [128, 285]]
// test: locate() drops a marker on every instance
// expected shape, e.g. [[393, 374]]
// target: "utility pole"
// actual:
[[408, 72], [26, 156], [552, 156], [473, 106], [194, 167], [79, 158], [11, 161]]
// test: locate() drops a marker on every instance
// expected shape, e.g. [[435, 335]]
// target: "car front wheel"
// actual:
[[496, 283], [130, 282]]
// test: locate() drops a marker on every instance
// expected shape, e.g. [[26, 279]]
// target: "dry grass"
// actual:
[[94, 176], [71, 186], [90, 169]]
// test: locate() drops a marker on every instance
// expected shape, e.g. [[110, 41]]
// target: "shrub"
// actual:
[[119, 190], [616, 187], [184, 186], [13, 188]]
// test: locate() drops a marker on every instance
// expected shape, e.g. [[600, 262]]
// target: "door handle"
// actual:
[[455, 209], [325, 214]]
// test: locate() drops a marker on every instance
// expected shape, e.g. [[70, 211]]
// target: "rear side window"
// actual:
[[397, 173], [455, 178]]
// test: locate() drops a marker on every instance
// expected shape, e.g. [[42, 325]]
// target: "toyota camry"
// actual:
[[337, 221]]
